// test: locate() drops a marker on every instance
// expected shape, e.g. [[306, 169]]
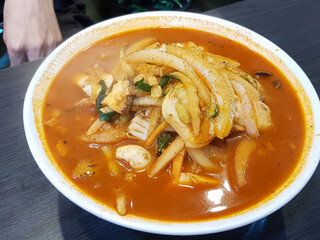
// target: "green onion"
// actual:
[[162, 141], [143, 86], [106, 116], [165, 79], [248, 78], [213, 110], [102, 94], [103, 116]]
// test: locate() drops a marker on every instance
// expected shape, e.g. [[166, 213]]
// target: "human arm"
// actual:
[[31, 29]]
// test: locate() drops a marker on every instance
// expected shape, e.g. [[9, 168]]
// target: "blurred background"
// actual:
[[86, 12], [99, 10]]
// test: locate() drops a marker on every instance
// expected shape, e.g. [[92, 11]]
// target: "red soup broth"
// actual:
[[270, 165]]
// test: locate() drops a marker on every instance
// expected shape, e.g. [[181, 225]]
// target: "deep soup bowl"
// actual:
[[36, 93]]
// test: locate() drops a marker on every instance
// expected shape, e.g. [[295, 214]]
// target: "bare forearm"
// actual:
[[31, 30]]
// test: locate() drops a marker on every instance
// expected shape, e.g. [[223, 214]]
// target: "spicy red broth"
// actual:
[[275, 155]]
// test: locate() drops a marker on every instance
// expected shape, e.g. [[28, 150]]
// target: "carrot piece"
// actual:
[[192, 179], [174, 148], [154, 117], [156, 133], [177, 163]]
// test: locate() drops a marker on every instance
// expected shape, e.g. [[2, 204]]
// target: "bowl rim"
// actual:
[[173, 228]]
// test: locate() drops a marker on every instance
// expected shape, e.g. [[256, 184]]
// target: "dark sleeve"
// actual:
[[1, 10], [60, 5]]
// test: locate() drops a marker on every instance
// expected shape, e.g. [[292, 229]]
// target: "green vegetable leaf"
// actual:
[[162, 141], [143, 86], [102, 94], [107, 116], [165, 79]]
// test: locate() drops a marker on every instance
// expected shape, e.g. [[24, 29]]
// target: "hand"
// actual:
[[31, 29]]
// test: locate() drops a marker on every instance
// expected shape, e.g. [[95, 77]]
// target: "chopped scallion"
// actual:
[[165, 79], [143, 86], [213, 110], [248, 78], [162, 141], [103, 116]]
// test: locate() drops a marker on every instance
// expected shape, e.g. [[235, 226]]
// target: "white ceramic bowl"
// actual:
[[32, 116]]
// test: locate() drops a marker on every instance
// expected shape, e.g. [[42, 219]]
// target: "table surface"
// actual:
[[31, 208]]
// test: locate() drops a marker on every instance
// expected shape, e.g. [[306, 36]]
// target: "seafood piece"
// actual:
[[137, 156], [139, 127]]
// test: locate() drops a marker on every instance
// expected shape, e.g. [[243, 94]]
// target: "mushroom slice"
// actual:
[[137, 156]]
